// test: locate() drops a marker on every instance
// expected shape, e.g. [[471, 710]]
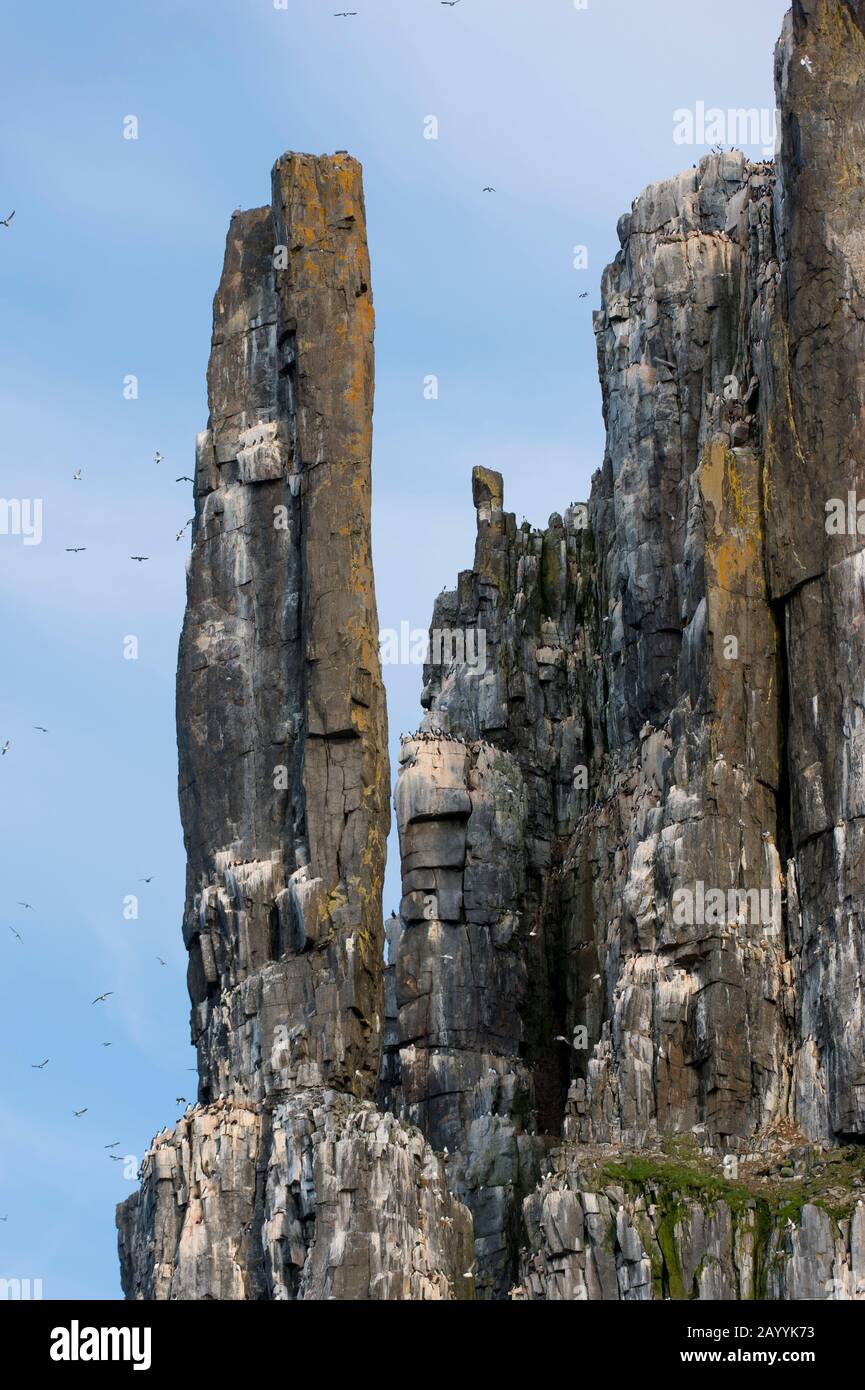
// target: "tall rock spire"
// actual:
[[284, 782], [285, 803]]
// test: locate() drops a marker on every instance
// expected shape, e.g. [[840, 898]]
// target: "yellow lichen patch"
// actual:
[[842, 36], [740, 625]]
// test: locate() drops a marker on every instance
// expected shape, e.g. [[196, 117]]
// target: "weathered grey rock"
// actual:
[[812, 394], [281, 719], [318, 1197], [690, 645], [277, 1188], [648, 1242], [632, 821]]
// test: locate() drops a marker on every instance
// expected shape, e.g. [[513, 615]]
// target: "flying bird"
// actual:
[[161, 961], [585, 294], [139, 557], [75, 549], [106, 1044], [40, 728], [5, 221], [29, 906], [18, 934], [6, 746], [76, 477], [115, 1145], [344, 14], [147, 880], [118, 1158], [450, 3], [180, 1100], [79, 1113], [489, 189], [38, 1066], [99, 998], [157, 457], [184, 478]]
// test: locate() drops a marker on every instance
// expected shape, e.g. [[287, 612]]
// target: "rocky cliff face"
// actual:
[[623, 998], [655, 810], [279, 1183], [280, 708]]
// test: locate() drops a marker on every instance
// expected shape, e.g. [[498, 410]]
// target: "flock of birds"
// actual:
[[77, 477], [433, 735], [157, 458], [350, 14], [101, 998]]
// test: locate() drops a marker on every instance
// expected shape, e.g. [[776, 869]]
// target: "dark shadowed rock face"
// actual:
[[617, 1048]]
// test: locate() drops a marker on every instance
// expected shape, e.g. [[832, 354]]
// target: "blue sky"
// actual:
[[109, 268]]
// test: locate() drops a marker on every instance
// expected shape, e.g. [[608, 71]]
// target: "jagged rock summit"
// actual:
[[617, 1050]]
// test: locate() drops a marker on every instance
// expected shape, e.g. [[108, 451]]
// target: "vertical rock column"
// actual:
[[281, 717], [486, 792], [285, 1182], [693, 1028]]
